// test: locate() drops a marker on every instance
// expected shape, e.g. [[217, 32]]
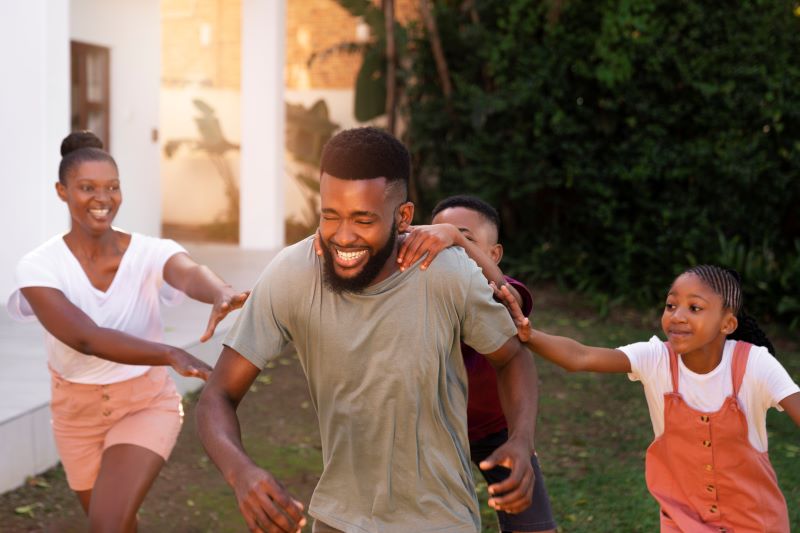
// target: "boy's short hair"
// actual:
[[366, 153], [470, 202]]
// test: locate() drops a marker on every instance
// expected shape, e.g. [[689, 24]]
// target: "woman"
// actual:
[[96, 290]]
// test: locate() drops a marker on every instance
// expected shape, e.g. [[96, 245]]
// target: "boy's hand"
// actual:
[[515, 493], [317, 243], [503, 294], [430, 240]]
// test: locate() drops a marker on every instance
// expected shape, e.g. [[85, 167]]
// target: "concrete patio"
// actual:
[[26, 442]]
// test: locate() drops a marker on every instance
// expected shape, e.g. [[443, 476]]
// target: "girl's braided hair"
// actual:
[[728, 284]]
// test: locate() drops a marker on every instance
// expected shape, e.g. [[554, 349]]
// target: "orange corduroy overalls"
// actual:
[[703, 471]]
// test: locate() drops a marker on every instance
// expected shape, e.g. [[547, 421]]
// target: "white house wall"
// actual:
[[34, 112], [132, 30]]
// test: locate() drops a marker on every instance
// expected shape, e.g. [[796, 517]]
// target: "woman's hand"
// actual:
[[188, 365], [227, 301]]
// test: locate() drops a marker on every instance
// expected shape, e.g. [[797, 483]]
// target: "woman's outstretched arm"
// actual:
[[200, 283], [66, 322]]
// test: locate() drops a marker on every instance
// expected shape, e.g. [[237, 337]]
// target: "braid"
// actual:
[[724, 282], [728, 284], [749, 331]]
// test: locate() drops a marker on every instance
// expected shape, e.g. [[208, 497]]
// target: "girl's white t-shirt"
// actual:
[[131, 303], [765, 384]]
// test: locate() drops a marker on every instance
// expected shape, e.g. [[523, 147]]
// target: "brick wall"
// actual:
[[315, 25], [201, 42]]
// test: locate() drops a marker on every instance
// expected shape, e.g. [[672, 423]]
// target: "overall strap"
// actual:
[[673, 366], [741, 352]]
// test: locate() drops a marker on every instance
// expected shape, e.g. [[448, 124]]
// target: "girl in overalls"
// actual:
[[708, 389]]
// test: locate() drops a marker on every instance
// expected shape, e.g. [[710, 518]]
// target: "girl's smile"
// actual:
[[696, 322]]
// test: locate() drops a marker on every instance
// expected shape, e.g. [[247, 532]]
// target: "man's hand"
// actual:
[[265, 504], [515, 493], [422, 240], [503, 294]]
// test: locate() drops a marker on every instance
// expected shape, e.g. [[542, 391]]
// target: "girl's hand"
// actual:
[[188, 365], [225, 302], [422, 240], [520, 320]]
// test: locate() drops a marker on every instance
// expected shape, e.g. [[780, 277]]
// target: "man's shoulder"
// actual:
[[293, 265], [452, 262]]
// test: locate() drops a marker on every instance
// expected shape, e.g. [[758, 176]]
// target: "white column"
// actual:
[[34, 112], [262, 176]]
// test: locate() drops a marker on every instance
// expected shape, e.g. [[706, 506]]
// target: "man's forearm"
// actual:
[[518, 386], [220, 434]]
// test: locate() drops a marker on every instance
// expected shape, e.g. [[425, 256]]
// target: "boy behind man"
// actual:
[[473, 224]]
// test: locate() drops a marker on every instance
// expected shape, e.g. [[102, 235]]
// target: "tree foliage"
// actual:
[[623, 141]]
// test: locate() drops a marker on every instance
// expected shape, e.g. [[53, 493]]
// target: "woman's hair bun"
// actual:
[[80, 139]]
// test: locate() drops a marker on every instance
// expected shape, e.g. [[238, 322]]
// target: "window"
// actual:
[[90, 89]]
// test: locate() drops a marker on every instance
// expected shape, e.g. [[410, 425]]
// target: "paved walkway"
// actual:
[[26, 443]]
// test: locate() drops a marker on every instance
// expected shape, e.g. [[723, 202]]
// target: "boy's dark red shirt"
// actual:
[[484, 412]]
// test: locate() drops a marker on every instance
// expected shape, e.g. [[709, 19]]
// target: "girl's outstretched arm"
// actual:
[[564, 352], [791, 404]]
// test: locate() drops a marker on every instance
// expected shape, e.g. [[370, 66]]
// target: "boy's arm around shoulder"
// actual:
[[430, 241]]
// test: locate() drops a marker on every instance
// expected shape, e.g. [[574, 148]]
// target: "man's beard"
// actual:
[[362, 280]]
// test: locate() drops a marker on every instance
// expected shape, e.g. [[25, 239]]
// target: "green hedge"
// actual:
[[623, 141]]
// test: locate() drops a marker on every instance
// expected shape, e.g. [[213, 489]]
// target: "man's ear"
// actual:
[[404, 216], [729, 323], [496, 253], [61, 191]]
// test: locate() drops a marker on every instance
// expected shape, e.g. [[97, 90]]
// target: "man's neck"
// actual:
[[390, 266]]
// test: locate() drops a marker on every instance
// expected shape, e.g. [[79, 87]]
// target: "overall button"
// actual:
[[712, 509], [723, 530], [105, 397], [710, 488], [709, 468], [106, 412], [707, 443], [704, 418]]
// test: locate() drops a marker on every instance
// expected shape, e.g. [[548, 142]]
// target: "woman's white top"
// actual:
[[131, 303], [765, 384]]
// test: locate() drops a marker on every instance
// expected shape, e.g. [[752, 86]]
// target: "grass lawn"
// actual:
[[592, 435]]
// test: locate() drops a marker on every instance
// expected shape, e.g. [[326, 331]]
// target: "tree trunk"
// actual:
[[436, 48], [391, 65]]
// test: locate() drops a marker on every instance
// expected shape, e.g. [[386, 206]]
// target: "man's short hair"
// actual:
[[366, 153], [470, 202]]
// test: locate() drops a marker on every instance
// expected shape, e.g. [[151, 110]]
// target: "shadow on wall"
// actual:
[[212, 143], [307, 131]]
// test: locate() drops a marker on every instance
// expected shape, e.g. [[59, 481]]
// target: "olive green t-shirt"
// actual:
[[387, 380]]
